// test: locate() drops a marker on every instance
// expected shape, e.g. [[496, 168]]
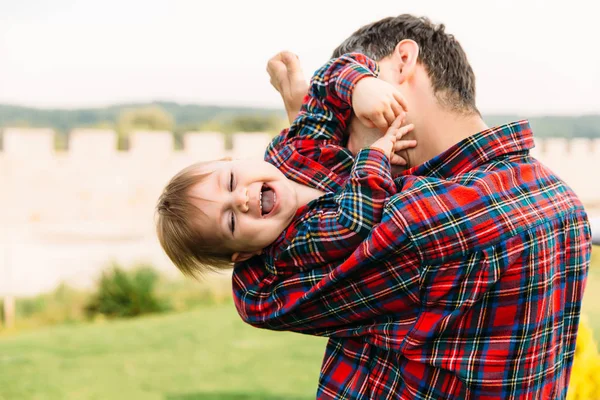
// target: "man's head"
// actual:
[[405, 46], [215, 213]]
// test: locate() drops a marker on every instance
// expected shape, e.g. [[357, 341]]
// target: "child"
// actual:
[[215, 213]]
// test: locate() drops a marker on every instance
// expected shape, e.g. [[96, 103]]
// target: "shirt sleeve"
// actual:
[[328, 106], [379, 280], [344, 219], [385, 277]]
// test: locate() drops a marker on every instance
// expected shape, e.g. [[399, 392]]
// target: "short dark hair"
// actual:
[[445, 61]]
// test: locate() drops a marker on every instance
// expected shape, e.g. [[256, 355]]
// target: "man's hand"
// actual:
[[377, 103], [288, 79], [391, 143]]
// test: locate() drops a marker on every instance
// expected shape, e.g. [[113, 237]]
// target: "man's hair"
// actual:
[[178, 226], [445, 61]]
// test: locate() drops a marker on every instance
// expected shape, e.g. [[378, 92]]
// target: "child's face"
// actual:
[[248, 204]]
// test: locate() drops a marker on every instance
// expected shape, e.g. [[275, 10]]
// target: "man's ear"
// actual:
[[405, 55], [243, 256]]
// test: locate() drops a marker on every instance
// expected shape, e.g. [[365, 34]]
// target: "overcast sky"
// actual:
[[530, 57]]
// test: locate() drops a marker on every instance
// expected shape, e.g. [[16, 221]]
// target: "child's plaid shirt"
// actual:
[[470, 286], [328, 229]]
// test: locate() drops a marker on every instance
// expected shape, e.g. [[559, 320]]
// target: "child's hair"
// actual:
[[178, 226]]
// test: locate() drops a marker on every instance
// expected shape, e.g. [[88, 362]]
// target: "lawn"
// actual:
[[207, 354]]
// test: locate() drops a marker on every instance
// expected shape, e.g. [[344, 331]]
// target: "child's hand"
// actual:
[[288, 79], [391, 143], [377, 103]]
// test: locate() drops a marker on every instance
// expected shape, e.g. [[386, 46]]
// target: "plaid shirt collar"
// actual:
[[477, 150], [292, 162]]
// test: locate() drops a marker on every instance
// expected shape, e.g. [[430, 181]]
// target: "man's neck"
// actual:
[[438, 131]]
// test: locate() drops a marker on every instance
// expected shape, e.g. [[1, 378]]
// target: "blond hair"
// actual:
[[178, 226]]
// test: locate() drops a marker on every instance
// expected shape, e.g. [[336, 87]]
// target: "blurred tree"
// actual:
[[101, 125], [245, 123], [152, 118], [255, 123], [228, 125]]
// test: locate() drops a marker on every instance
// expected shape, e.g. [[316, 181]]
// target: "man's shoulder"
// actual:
[[480, 208]]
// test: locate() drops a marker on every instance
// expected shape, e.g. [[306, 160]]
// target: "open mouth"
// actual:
[[267, 200]]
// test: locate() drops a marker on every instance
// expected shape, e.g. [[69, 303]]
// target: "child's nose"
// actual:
[[241, 199]]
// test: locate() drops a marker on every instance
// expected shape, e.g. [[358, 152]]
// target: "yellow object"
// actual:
[[585, 375]]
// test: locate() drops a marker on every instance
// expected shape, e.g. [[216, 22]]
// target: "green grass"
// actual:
[[206, 354]]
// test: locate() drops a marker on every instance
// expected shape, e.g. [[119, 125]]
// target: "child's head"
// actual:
[[214, 213]]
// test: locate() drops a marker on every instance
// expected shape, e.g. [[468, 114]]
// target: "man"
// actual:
[[471, 286]]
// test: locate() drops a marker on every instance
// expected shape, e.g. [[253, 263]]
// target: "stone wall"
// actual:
[[65, 215]]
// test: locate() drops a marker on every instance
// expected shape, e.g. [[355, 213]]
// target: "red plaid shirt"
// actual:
[[470, 287], [328, 229]]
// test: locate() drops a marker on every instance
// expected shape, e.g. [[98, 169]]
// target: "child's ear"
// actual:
[[243, 256]]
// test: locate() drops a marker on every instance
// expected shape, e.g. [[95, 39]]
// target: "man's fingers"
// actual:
[[404, 144]]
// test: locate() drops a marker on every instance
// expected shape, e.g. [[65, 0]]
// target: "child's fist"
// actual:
[[377, 103]]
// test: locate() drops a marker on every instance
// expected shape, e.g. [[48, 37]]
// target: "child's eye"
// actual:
[[231, 181], [232, 223]]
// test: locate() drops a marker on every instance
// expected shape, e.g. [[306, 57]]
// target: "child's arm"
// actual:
[[370, 185], [345, 219], [327, 108], [287, 77]]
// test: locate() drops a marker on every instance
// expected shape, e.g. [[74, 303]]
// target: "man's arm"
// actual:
[[378, 280], [429, 245]]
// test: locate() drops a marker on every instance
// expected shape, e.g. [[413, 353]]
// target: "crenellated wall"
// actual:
[[66, 214], [94, 181]]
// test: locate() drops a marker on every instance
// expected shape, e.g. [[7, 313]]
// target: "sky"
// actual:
[[530, 57]]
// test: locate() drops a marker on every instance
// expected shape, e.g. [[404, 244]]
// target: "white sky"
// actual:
[[530, 57]]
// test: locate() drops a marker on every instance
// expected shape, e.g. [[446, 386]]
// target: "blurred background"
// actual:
[[102, 102]]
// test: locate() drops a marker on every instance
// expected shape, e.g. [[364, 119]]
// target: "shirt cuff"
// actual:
[[372, 161], [348, 78]]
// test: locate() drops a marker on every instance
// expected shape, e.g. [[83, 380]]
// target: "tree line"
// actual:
[[180, 118]]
